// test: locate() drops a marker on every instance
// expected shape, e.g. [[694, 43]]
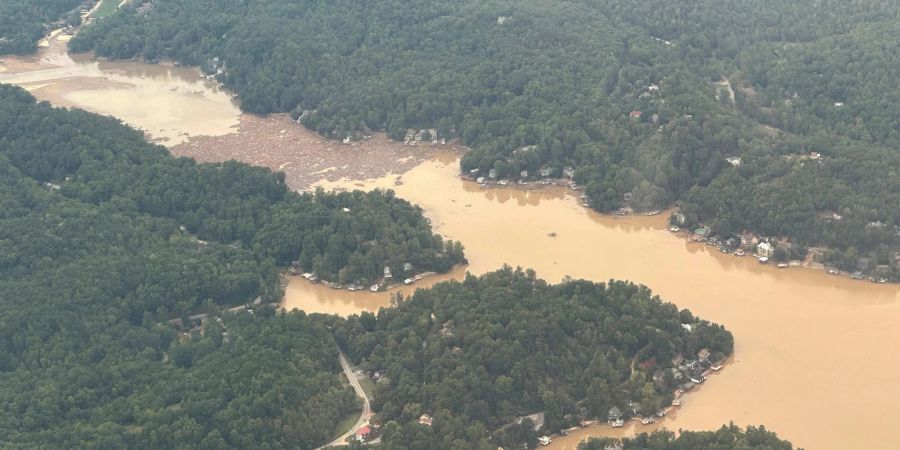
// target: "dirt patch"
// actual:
[[279, 143]]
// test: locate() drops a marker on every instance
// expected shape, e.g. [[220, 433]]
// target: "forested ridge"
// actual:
[[729, 437], [104, 238], [535, 85], [480, 353], [23, 22]]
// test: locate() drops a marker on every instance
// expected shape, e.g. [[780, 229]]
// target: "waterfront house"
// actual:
[[614, 414], [765, 250]]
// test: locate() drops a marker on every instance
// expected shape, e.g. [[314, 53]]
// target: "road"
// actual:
[[364, 415]]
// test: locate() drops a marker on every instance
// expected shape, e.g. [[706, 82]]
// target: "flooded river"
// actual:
[[169, 103], [814, 354]]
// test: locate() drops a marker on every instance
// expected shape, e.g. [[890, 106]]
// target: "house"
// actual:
[[702, 233], [815, 155], [734, 160], [363, 432], [407, 267], [679, 218], [523, 174], [862, 264], [703, 355], [635, 114], [545, 172], [492, 174], [425, 419], [765, 250], [614, 414], [387, 272]]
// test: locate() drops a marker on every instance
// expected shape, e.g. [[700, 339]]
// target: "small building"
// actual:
[[703, 355], [568, 172], [523, 174], [614, 414], [363, 432], [765, 250], [545, 172], [679, 218], [635, 114], [492, 174], [734, 160], [387, 272], [407, 267], [653, 88], [425, 419], [815, 155]]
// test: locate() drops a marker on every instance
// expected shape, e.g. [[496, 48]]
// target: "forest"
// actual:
[[108, 243], [635, 97], [479, 353], [729, 437], [24, 22]]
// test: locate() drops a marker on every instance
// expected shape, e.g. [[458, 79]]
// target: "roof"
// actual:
[[364, 430]]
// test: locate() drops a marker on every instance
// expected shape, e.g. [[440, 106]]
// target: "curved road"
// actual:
[[363, 416]]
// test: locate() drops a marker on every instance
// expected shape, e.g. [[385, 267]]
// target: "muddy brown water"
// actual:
[[813, 357], [169, 103], [814, 354]]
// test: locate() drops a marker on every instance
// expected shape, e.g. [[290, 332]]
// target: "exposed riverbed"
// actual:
[[814, 354]]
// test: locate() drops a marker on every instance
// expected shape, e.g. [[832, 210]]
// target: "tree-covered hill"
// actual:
[[622, 91], [729, 437], [104, 238], [479, 353]]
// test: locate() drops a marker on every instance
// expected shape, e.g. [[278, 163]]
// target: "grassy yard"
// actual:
[[368, 386], [106, 8], [345, 424]]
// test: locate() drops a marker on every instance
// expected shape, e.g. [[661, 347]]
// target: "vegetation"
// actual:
[[23, 22], [478, 354], [104, 238], [729, 437], [545, 86], [106, 241]]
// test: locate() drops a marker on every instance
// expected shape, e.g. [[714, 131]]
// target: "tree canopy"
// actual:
[[631, 95], [479, 353], [729, 437]]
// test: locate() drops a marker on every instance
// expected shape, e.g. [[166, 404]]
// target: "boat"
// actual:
[[544, 440], [739, 252], [781, 265], [674, 229], [409, 281], [763, 260]]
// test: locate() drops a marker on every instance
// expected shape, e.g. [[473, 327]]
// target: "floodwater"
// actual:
[[814, 353], [168, 103]]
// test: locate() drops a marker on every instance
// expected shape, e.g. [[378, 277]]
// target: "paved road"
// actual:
[[364, 415]]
